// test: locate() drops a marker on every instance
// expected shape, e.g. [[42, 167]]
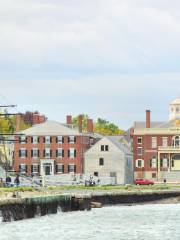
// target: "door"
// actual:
[[47, 170]]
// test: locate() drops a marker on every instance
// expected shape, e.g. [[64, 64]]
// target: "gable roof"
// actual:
[[49, 128]]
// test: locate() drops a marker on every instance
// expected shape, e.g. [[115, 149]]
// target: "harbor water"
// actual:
[[141, 222]]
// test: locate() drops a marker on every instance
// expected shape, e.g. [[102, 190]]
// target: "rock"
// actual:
[[96, 205]]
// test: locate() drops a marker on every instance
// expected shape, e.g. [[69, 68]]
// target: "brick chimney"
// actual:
[[69, 119], [80, 118], [148, 119], [90, 127], [18, 123]]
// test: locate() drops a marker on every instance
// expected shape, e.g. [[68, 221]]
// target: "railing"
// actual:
[[169, 148]]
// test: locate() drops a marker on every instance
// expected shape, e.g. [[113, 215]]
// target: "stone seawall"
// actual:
[[14, 209]]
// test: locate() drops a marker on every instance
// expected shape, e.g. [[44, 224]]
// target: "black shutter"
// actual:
[[62, 152], [31, 168], [74, 152], [44, 152], [151, 163], [44, 139], [26, 168], [68, 168], [56, 153], [31, 153], [74, 139], [38, 153], [62, 139], [19, 153], [20, 168], [38, 168], [50, 139], [68, 139], [56, 139], [68, 152], [31, 139], [38, 139], [56, 168], [63, 168], [75, 168], [161, 162], [50, 153]]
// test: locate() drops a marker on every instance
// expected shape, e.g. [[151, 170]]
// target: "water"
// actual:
[[145, 222]]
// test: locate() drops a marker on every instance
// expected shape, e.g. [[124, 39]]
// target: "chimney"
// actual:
[[80, 118], [90, 127], [148, 119], [18, 123], [69, 119]]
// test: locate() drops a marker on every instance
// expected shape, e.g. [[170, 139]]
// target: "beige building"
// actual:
[[110, 157]]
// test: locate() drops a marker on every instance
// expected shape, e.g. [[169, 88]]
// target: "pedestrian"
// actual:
[[17, 181], [8, 181]]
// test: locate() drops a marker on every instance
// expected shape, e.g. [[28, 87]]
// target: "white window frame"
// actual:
[[137, 163], [165, 141], [23, 149], [139, 153], [47, 140], [33, 150], [153, 163], [24, 165], [71, 166], [71, 152], [23, 139], [138, 140], [35, 165], [35, 139], [154, 142], [59, 139], [165, 163], [59, 150], [72, 139], [60, 164], [47, 152]]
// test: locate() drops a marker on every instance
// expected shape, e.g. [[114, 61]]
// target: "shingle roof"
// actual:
[[49, 128], [118, 141]]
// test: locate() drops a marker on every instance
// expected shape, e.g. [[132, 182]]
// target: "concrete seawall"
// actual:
[[14, 209]]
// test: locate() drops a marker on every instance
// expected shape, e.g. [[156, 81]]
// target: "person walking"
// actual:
[[17, 181]]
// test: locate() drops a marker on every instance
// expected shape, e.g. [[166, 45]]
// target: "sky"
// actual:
[[107, 58]]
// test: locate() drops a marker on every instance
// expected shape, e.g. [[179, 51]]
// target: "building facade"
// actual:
[[51, 148], [110, 157], [156, 147]]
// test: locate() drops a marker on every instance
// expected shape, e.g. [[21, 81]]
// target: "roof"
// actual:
[[50, 128], [120, 142], [139, 125], [176, 101]]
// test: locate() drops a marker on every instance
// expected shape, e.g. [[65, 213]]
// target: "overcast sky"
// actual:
[[107, 58]]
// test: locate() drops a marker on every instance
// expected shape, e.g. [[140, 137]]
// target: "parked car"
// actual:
[[143, 182]]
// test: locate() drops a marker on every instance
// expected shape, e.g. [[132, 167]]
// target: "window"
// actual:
[[59, 153], [154, 142], [71, 139], [91, 141], [35, 168], [22, 139], [153, 175], [101, 161], [23, 153], [96, 174], [139, 151], [35, 153], [47, 139], [35, 140], [153, 163], [23, 168], [71, 153], [176, 141], [71, 168], [47, 152], [139, 163], [165, 162], [104, 148], [165, 141], [139, 140], [59, 140], [60, 168]]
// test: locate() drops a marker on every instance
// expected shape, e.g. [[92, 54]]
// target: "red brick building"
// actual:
[[156, 147], [52, 148]]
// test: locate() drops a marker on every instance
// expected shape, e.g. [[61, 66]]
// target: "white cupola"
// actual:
[[175, 110]]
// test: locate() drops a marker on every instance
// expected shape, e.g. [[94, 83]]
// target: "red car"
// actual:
[[143, 182]]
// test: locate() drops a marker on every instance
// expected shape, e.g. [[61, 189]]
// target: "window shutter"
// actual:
[[31, 139], [20, 167], [31, 153], [63, 168], [63, 153], [62, 139], [68, 140], [74, 139], [31, 168], [68, 168], [74, 152], [44, 139], [68, 152], [151, 163], [44, 152], [19, 153], [26, 168], [75, 168], [50, 139], [56, 139], [161, 162], [26, 153], [38, 139], [56, 153], [50, 153], [38, 168], [38, 153]]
